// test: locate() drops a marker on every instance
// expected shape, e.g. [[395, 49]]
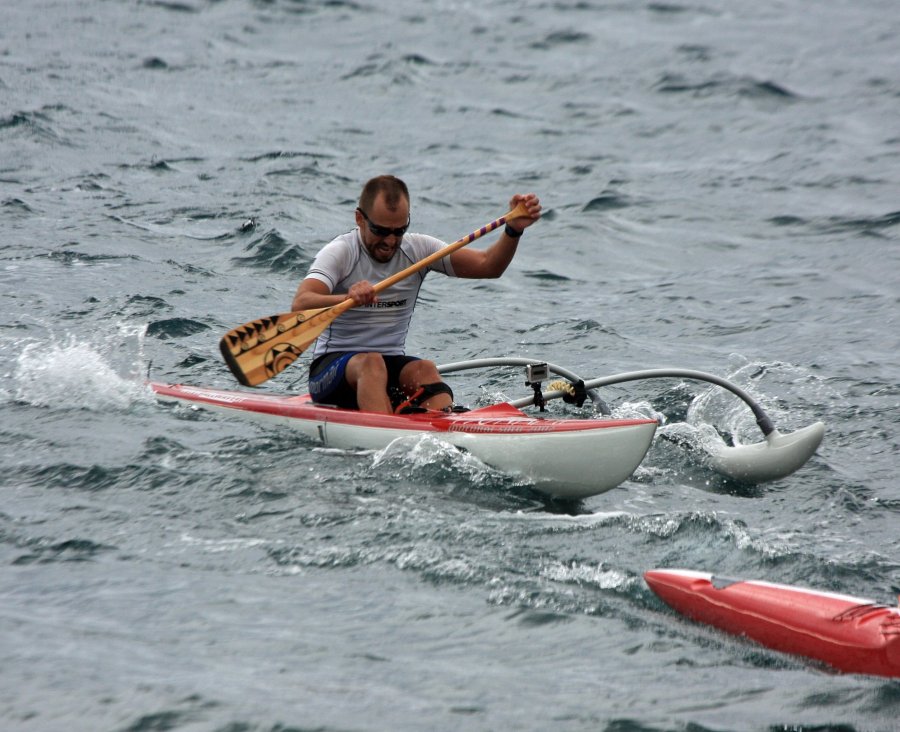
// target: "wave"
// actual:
[[725, 85], [406, 69], [874, 226], [45, 551], [607, 201], [545, 277], [176, 7], [285, 155], [71, 257], [273, 252], [16, 206], [175, 328], [561, 39], [37, 124]]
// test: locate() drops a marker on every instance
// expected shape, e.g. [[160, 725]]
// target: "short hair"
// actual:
[[391, 187]]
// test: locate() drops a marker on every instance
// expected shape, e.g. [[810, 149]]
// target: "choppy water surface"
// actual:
[[721, 189]]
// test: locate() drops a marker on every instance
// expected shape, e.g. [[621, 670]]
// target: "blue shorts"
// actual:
[[328, 382]]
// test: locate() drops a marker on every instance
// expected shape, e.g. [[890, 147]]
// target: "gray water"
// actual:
[[721, 185]]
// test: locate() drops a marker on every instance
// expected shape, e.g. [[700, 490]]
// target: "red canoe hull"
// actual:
[[847, 633]]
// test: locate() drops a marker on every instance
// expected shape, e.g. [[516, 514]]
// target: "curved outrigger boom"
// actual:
[[777, 456]]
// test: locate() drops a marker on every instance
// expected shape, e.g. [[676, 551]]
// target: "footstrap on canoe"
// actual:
[[423, 394]]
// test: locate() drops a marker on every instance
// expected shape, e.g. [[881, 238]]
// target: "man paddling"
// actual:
[[359, 361]]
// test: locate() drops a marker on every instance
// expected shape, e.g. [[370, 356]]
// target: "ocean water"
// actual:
[[720, 183]]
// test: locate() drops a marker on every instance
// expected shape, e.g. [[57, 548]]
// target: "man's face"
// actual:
[[381, 244]]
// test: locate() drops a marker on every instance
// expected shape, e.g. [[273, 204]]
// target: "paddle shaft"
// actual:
[[517, 212], [263, 348], [329, 314]]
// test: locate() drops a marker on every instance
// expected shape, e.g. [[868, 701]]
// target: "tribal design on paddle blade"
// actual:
[[245, 348], [279, 357]]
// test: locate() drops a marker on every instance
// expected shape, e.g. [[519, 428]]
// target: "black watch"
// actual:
[[512, 233]]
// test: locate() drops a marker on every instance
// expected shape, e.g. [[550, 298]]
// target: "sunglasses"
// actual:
[[383, 231]]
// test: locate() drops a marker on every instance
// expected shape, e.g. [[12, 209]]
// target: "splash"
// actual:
[[694, 435], [587, 574], [82, 374], [730, 416], [424, 455]]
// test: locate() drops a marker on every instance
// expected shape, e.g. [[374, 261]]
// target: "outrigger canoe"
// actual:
[[849, 634], [570, 458], [564, 458]]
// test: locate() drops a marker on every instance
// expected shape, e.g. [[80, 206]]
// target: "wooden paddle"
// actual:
[[258, 350]]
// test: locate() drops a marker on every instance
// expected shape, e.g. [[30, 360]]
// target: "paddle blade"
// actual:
[[258, 350]]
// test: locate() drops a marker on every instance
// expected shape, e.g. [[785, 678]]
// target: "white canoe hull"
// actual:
[[564, 458]]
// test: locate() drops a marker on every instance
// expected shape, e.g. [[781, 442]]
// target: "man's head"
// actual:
[[383, 216]]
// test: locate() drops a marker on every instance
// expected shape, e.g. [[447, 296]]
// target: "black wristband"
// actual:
[[512, 233]]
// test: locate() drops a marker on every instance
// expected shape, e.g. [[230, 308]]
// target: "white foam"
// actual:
[[80, 374]]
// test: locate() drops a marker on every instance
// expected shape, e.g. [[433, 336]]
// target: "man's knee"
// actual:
[[416, 373], [373, 360], [368, 365]]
